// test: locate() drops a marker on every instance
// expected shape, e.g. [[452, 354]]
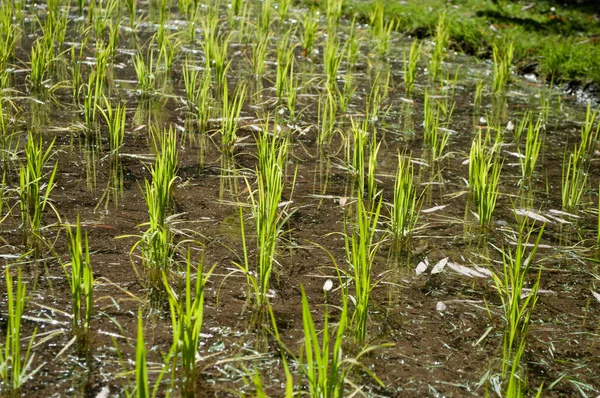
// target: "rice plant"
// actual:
[[219, 63], [187, 314], [81, 282], [347, 92], [333, 54], [434, 134], [141, 366], [357, 152], [440, 42], [283, 7], [15, 368], [588, 136], [478, 94], [285, 63], [259, 54], [264, 22], [484, 178], [333, 12], [41, 56], [327, 113], [361, 249], [410, 65], [404, 211], [374, 146], [378, 93], [518, 304], [231, 114], [146, 74], [115, 119], [33, 198], [291, 92], [503, 57], [533, 145], [204, 100], [574, 179], [310, 26], [381, 29]]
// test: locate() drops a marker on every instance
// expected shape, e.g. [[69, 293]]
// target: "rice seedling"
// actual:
[[231, 114], [310, 26], [353, 47], [166, 53], [81, 282], [283, 7], [574, 179], [327, 113], [378, 93], [41, 56], [435, 136], [440, 42], [332, 58], [191, 75], [522, 126], [484, 178], [291, 90], [333, 12], [478, 94], [264, 22], [381, 29], [533, 145], [503, 57], [518, 304], [141, 366], [285, 62], [357, 152], [145, 72], [410, 65], [361, 249], [204, 100], [15, 369], [588, 136], [347, 92], [404, 211], [131, 6], [33, 199], [372, 168], [115, 119], [187, 314], [259, 54], [210, 28], [219, 62]]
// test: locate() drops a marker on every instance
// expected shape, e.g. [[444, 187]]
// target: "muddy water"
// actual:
[[438, 353]]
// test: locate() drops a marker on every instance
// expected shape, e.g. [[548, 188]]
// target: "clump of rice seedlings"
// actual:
[[327, 113], [33, 198], [166, 53], [478, 94], [145, 72], [231, 114], [219, 61], [203, 101], [574, 179], [41, 56], [522, 126], [142, 385], [115, 120], [361, 249], [352, 47], [533, 145], [404, 211], [347, 92], [440, 43], [310, 26], [187, 314], [81, 282], [503, 57], [435, 136], [191, 75], [259, 54], [210, 29], [291, 92], [90, 101], [190, 7], [518, 304], [484, 178], [283, 7], [76, 74], [372, 168], [15, 368], [379, 92], [410, 65], [265, 16], [332, 58], [131, 6], [357, 152], [333, 12], [285, 62], [381, 29]]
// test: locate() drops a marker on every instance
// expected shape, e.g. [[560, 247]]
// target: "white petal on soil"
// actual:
[[461, 269], [103, 393], [432, 209], [343, 201], [532, 215], [516, 154], [328, 285], [510, 126], [439, 267], [440, 306], [597, 295], [421, 267], [563, 213], [466, 162]]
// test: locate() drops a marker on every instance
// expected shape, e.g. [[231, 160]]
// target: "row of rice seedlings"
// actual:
[[187, 314], [310, 27], [269, 216], [404, 211], [81, 282], [156, 243], [574, 178], [15, 368], [327, 113], [33, 198], [434, 135], [231, 114], [381, 29], [533, 145], [503, 57], [115, 120], [440, 43], [361, 249], [518, 304], [411, 64], [484, 177]]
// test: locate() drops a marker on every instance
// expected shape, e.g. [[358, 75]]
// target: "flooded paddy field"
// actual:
[[265, 199]]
